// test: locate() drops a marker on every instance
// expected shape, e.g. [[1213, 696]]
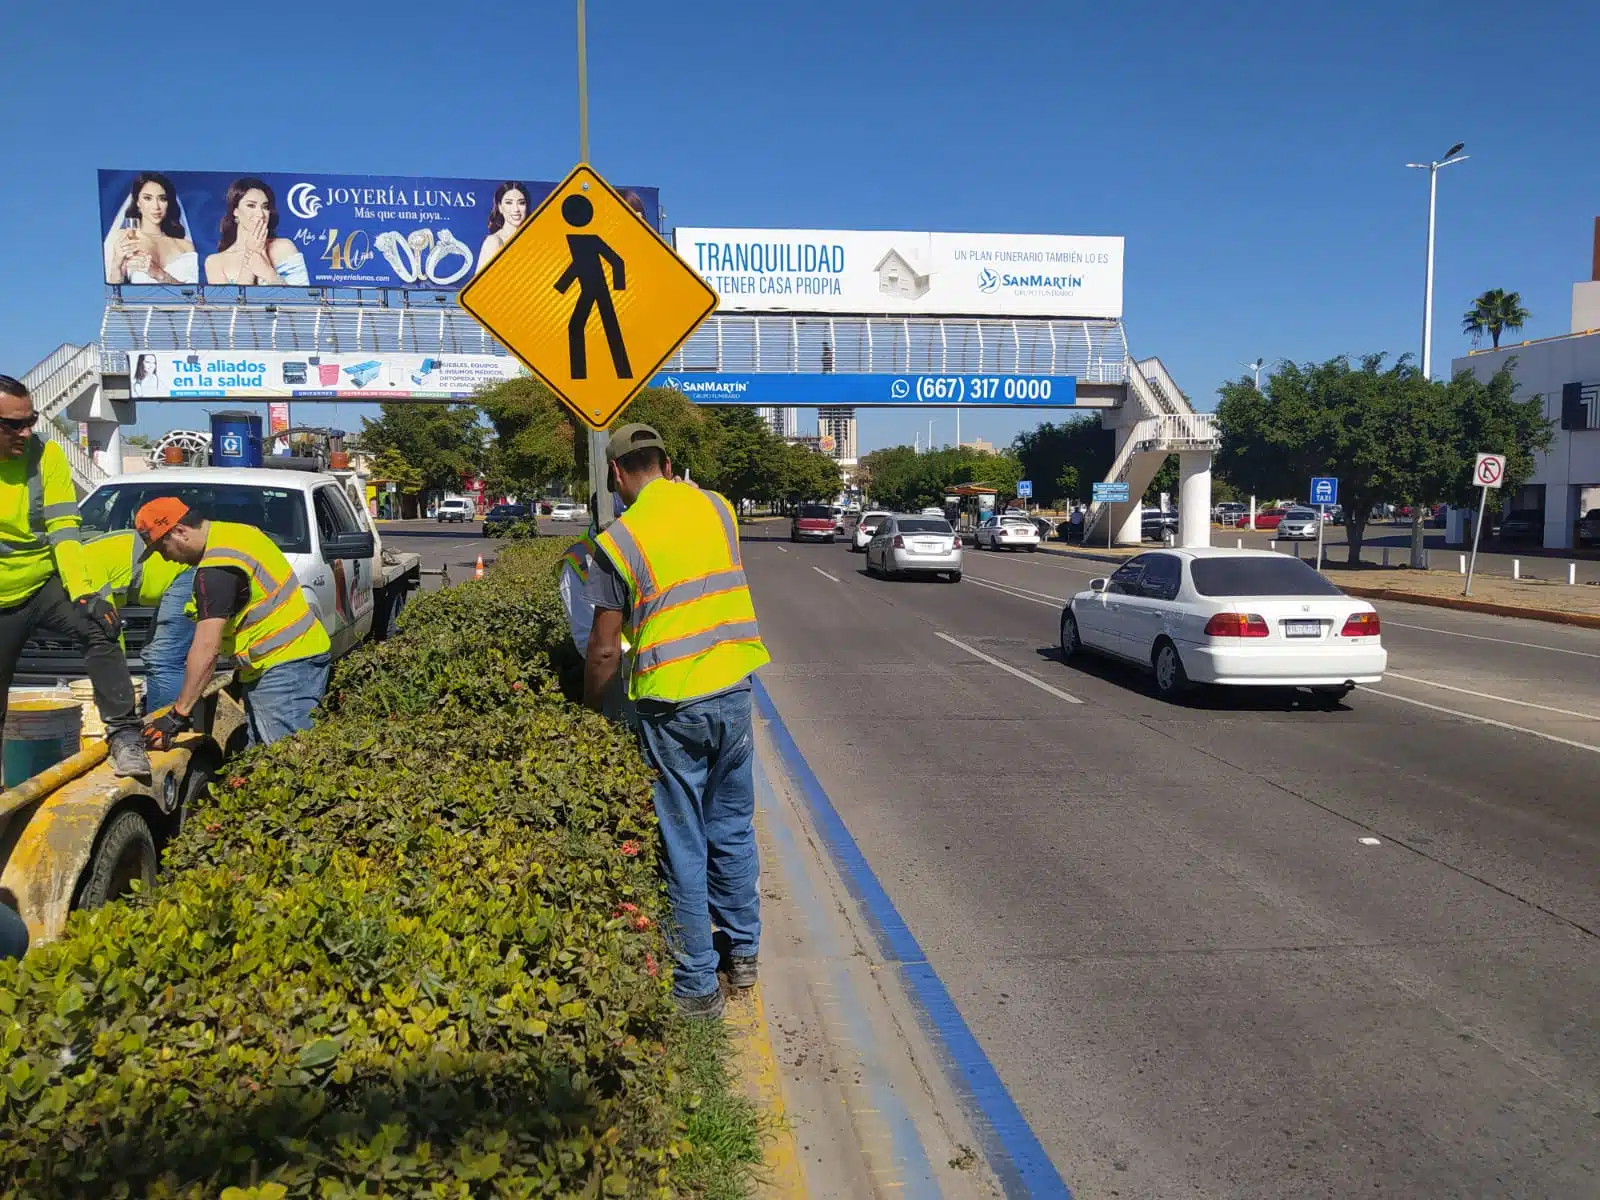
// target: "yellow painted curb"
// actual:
[[757, 1064]]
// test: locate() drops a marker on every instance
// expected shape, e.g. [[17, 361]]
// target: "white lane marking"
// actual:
[[783, 549], [1010, 670], [1370, 841], [1016, 593], [825, 575], [1478, 637], [1466, 716], [1565, 712]]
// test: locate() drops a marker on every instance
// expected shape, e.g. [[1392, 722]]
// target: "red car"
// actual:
[[1267, 518], [813, 522]]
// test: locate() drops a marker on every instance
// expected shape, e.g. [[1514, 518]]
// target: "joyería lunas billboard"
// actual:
[[272, 229]]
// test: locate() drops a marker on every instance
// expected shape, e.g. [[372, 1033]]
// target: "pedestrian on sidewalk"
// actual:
[[250, 607], [44, 579], [669, 571]]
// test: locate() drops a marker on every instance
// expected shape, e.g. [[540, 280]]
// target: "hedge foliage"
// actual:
[[414, 952]]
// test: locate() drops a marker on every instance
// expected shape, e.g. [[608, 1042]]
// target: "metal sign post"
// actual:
[[599, 474], [1324, 491], [1487, 472]]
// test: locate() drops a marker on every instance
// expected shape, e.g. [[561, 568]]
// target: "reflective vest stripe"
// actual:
[[19, 547], [663, 653], [276, 641], [688, 592], [71, 533], [34, 460], [250, 563], [136, 576], [640, 578], [54, 512], [730, 527], [578, 559]]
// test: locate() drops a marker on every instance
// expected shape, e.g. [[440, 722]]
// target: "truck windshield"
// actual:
[[277, 512]]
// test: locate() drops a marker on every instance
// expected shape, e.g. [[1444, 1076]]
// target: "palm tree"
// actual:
[[1496, 310]]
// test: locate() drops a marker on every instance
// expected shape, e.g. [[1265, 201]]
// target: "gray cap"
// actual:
[[633, 437]]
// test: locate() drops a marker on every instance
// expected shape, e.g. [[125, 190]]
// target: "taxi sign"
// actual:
[[589, 297]]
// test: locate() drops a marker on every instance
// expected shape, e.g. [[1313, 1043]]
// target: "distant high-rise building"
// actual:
[[839, 424], [785, 422]]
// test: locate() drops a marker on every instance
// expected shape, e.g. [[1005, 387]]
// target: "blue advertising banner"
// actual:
[[780, 390], [295, 230]]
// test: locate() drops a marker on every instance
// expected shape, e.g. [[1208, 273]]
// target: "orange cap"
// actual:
[[156, 518]]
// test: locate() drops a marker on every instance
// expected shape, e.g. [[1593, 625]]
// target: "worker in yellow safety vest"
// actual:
[[250, 608], [44, 583], [669, 572], [573, 588], [123, 575]]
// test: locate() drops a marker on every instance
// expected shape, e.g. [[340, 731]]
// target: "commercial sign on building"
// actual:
[[187, 228], [862, 271], [358, 375]]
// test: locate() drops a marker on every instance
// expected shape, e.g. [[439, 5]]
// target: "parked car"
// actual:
[[1523, 525], [1154, 524], [1237, 618], [915, 546], [1268, 518], [1230, 512], [933, 510], [1589, 528], [457, 509], [812, 523], [865, 528], [1336, 514], [1299, 524], [565, 510], [1006, 533], [1045, 526]]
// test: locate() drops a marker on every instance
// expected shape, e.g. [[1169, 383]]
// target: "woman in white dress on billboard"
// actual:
[[249, 252], [505, 218], [150, 243]]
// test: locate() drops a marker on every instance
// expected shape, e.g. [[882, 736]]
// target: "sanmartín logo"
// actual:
[[708, 387]]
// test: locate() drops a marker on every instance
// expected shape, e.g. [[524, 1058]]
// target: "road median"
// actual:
[[420, 945]]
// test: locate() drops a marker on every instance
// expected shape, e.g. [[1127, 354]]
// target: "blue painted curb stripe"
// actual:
[[1010, 1145]]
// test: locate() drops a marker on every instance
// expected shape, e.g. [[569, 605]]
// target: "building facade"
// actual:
[[1565, 373]]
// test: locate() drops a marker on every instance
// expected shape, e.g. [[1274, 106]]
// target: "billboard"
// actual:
[[298, 375], [773, 389], [872, 272], [188, 228]]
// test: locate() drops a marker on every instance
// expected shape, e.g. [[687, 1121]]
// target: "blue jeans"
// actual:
[[13, 934], [706, 801], [280, 701], [167, 651]]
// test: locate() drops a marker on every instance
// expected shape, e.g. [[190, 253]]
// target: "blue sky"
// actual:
[[1251, 154]]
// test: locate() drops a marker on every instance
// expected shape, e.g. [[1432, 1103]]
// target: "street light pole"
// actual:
[[599, 481], [1256, 368], [1453, 155]]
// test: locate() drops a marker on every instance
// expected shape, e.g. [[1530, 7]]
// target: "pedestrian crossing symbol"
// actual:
[[589, 297]]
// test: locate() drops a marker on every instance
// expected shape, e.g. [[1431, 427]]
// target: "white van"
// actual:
[[456, 508]]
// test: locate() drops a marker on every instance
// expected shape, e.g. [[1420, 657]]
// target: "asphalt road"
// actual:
[[1243, 948], [454, 547]]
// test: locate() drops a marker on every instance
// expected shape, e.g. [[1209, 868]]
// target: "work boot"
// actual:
[[741, 972], [701, 1008], [128, 758]]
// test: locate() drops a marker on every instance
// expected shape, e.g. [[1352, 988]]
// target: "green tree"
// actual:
[[1494, 312], [1384, 432], [750, 457], [904, 479], [535, 437], [808, 474], [1049, 450], [442, 442]]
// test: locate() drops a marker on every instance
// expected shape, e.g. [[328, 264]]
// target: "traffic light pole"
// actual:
[[598, 482]]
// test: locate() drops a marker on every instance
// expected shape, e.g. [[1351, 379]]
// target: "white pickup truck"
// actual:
[[75, 835], [318, 520]]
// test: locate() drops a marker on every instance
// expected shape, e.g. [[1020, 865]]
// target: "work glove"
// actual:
[[102, 612], [160, 730]]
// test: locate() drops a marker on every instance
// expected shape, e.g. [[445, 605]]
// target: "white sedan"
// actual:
[[1006, 533], [866, 527], [1246, 618], [914, 546]]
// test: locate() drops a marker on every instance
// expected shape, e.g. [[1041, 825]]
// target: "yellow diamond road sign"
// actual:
[[589, 298]]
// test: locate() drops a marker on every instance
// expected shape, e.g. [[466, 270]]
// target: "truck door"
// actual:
[[343, 588]]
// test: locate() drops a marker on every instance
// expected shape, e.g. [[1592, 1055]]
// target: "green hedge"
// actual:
[[415, 951]]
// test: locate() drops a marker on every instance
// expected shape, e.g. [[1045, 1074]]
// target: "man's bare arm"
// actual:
[[604, 659]]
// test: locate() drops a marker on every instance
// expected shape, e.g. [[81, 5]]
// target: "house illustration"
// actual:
[[897, 277]]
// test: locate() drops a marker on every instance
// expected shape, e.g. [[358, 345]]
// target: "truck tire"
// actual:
[[126, 851]]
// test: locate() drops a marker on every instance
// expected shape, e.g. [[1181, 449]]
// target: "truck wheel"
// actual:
[[126, 852]]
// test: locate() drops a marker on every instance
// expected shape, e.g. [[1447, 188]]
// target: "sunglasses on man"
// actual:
[[20, 424]]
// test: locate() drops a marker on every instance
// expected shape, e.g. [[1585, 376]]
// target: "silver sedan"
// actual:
[[914, 546]]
